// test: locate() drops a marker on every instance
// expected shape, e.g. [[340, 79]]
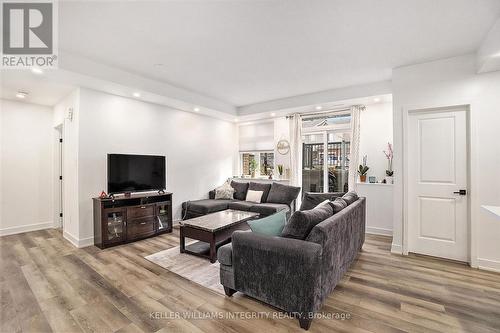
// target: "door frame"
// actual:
[[471, 129]]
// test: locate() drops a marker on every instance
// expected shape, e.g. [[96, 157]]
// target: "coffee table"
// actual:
[[214, 229]]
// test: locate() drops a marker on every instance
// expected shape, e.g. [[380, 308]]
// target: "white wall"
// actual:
[[448, 82], [200, 151], [375, 131], [26, 167], [379, 207]]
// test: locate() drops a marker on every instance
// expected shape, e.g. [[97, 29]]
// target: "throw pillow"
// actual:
[[325, 202], [302, 222], [254, 196], [260, 187], [311, 200], [240, 190], [224, 192], [271, 225], [282, 194], [350, 197], [338, 204]]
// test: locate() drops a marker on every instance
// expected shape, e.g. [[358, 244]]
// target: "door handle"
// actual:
[[461, 192]]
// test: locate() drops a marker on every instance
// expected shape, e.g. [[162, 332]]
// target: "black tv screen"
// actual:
[[135, 173]]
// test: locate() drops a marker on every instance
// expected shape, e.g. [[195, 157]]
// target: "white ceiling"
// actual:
[[40, 88], [245, 52]]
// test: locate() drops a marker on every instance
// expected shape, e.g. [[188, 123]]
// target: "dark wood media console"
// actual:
[[129, 218]]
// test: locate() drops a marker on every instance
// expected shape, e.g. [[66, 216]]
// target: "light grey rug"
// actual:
[[193, 268]]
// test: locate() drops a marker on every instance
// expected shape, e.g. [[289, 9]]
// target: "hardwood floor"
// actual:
[[48, 285]]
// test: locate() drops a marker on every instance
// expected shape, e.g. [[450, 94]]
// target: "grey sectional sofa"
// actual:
[[276, 197], [295, 275]]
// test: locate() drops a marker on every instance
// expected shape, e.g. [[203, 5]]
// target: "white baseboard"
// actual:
[[488, 265], [396, 249], [379, 231], [26, 228], [79, 243]]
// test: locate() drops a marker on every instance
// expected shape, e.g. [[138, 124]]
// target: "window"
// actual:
[[262, 161], [325, 153]]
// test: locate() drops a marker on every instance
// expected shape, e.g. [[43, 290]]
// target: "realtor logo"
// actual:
[[28, 34]]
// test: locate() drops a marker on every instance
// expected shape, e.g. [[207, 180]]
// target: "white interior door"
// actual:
[[437, 171]]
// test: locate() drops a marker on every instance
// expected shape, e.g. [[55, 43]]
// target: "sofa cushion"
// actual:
[[302, 222], [268, 208], [271, 225], [260, 187], [241, 205], [338, 204], [240, 190], [207, 206], [225, 191], [282, 194], [254, 196], [350, 197], [225, 254], [311, 200]]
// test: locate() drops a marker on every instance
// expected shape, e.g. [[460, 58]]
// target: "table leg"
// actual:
[[213, 253], [182, 240]]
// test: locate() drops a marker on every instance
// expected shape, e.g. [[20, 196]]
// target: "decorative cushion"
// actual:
[[271, 225], [224, 192], [302, 222], [254, 196], [240, 190], [283, 194], [338, 204], [260, 187], [350, 197], [325, 202], [311, 200]]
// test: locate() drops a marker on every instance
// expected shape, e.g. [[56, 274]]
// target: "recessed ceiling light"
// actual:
[[376, 99], [196, 109], [319, 107], [136, 94], [21, 94], [235, 120], [36, 70], [273, 114]]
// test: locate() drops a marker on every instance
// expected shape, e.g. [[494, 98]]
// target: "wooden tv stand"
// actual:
[[126, 219]]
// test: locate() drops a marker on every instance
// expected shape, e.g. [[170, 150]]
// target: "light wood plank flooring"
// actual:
[[48, 285]]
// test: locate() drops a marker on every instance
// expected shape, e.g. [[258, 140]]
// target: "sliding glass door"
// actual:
[[325, 154]]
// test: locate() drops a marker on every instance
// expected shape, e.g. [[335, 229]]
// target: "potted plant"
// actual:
[[389, 179], [280, 170], [252, 166], [363, 170]]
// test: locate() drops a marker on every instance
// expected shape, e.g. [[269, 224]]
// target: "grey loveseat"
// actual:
[[294, 275], [276, 197]]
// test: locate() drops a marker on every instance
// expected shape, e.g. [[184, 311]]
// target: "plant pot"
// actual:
[[362, 178], [253, 174], [389, 180]]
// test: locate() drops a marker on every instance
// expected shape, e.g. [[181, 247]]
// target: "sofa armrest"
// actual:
[[283, 272]]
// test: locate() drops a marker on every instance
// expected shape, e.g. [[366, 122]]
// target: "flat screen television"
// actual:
[[135, 173]]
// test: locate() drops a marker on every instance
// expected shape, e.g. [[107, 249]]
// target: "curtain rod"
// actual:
[[307, 115]]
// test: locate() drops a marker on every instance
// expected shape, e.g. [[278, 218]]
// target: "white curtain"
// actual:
[[354, 154], [296, 150]]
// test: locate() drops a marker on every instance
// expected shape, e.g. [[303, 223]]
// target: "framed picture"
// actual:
[[372, 179]]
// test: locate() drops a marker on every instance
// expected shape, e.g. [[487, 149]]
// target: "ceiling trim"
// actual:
[[320, 97]]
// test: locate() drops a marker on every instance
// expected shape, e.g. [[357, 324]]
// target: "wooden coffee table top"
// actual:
[[219, 220]]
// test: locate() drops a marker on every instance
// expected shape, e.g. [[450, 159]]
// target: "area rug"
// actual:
[[193, 268]]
